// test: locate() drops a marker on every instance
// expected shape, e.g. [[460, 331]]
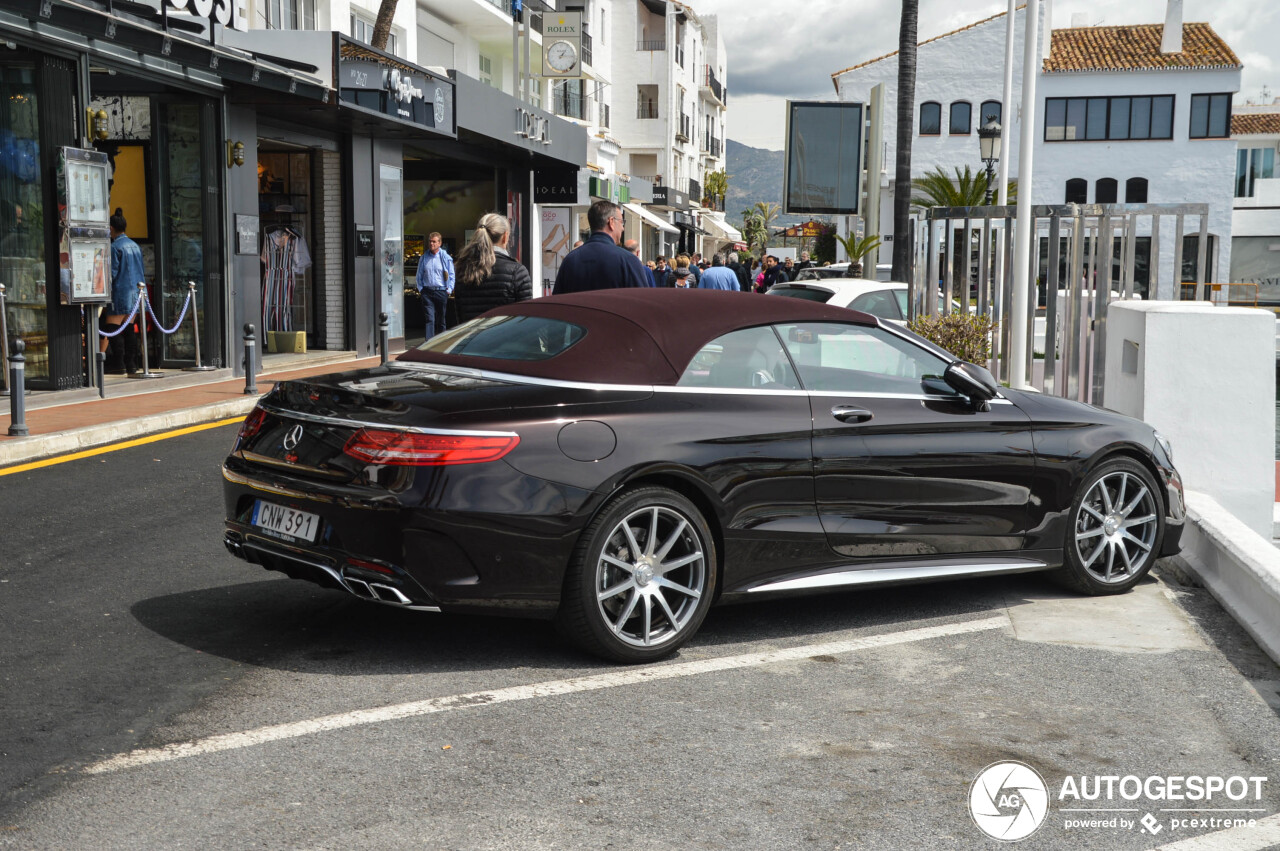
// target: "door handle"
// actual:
[[850, 414]]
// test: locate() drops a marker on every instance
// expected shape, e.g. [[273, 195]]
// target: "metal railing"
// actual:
[[660, 44], [710, 81], [647, 109], [682, 131], [570, 106], [1084, 257], [586, 47], [695, 191], [604, 115]]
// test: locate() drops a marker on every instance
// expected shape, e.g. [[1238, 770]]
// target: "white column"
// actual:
[[1022, 245]]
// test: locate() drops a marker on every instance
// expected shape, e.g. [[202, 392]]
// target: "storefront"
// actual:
[[145, 93]]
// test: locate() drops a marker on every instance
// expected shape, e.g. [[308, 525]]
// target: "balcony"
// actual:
[[569, 105], [715, 147], [586, 47], [695, 191], [647, 109], [709, 145], [661, 44], [682, 132], [711, 85]]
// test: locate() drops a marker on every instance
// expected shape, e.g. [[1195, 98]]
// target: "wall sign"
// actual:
[[230, 13], [397, 90], [364, 242], [555, 186], [246, 234], [530, 125]]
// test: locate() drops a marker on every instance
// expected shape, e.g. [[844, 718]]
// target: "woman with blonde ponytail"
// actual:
[[488, 276]]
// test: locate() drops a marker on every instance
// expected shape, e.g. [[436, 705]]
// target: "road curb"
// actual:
[[87, 437]]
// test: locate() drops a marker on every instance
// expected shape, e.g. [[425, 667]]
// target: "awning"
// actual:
[[651, 219], [721, 229]]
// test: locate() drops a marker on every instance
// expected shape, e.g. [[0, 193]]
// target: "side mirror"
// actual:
[[976, 382]]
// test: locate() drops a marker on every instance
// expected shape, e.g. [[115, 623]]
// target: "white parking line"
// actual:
[[1264, 834], [613, 679]]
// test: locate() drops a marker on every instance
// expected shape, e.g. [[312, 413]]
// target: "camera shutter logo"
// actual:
[[1008, 801], [292, 439]]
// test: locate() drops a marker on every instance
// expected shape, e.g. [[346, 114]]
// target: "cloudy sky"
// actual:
[[781, 49]]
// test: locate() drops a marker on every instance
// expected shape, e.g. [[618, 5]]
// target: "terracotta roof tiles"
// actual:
[[1255, 123], [1135, 48]]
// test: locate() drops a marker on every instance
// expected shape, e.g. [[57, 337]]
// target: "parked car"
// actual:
[[884, 272], [886, 300], [621, 460]]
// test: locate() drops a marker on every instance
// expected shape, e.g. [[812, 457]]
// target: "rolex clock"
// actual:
[[562, 57]]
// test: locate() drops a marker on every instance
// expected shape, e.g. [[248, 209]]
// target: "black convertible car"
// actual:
[[621, 460]]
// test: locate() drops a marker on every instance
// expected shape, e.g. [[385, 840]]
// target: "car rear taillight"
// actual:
[[412, 449], [252, 423]]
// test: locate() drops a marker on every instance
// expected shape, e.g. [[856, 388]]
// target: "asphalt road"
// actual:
[[307, 719]]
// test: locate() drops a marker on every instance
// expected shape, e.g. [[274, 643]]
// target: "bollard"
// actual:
[[195, 327], [142, 318], [4, 347], [250, 386], [100, 364], [17, 401], [384, 336]]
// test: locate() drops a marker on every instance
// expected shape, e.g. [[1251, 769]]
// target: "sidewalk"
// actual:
[[72, 420]]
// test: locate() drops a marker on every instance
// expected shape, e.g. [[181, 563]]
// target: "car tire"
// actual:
[[631, 595], [1115, 530]]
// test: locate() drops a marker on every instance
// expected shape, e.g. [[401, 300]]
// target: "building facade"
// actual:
[[1255, 228]]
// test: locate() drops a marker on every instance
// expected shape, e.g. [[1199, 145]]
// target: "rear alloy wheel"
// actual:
[[1117, 524], [642, 578]]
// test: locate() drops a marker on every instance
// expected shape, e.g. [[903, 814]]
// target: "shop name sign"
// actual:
[[532, 126], [229, 13], [401, 86]]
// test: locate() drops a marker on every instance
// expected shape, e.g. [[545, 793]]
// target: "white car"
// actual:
[[885, 299], [837, 270]]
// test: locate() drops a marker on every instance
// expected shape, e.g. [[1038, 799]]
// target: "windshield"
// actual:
[[806, 293]]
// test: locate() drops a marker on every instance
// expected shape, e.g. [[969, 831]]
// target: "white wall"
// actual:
[[1205, 377]]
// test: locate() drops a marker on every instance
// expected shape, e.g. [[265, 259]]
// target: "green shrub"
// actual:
[[965, 335]]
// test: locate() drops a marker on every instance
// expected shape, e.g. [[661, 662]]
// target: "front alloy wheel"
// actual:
[[642, 578], [1117, 525]]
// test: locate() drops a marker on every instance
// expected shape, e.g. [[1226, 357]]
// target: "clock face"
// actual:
[[562, 56]]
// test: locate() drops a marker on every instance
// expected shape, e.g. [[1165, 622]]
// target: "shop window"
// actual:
[[1077, 191], [286, 218], [1106, 190], [930, 118], [961, 119], [23, 220], [1135, 190]]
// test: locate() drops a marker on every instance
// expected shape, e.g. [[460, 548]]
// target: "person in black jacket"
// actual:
[[488, 276]]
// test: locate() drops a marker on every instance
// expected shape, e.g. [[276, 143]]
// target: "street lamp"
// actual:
[[989, 144]]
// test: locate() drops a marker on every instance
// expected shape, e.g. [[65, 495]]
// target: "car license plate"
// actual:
[[285, 521]]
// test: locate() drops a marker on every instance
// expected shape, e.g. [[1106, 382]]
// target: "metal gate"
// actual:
[[1083, 257]]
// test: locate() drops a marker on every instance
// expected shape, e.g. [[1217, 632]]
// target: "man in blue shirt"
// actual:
[[126, 273], [718, 277], [435, 282], [599, 264]]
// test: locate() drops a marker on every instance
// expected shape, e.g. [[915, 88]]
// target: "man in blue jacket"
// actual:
[[599, 264], [435, 282], [127, 271], [718, 277]]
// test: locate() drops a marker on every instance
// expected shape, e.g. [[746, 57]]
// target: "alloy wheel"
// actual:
[[1116, 527], [650, 576]]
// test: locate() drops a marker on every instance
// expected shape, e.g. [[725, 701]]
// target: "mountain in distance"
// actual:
[[755, 174]]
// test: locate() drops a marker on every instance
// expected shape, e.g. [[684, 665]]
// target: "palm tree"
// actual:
[[716, 186], [382, 24], [766, 212], [857, 247], [906, 123], [966, 189], [754, 232]]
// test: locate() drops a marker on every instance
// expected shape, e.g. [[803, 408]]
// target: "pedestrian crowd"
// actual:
[[485, 275]]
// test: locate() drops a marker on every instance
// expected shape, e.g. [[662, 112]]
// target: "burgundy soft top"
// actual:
[[642, 335]]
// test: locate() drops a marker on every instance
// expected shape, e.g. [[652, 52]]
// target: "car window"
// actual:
[[834, 356], [806, 293], [881, 303], [528, 338], [741, 360], [901, 296]]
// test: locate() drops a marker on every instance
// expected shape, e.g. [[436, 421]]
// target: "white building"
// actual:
[[1255, 228], [672, 62], [1118, 117]]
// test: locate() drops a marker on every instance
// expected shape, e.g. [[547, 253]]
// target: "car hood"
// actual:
[[1046, 409]]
